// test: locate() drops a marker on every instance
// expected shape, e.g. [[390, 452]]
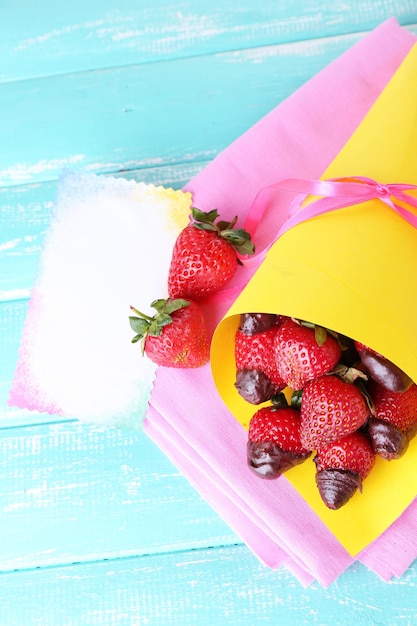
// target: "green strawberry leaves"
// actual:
[[279, 401], [140, 326], [203, 220], [167, 306], [144, 325], [320, 333], [239, 238]]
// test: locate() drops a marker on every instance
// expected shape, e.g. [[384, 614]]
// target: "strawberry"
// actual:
[[204, 256], [330, 409], [382, 370], [274, 444], [341, 466], [394, 420], [257, 376], [175, 336], [303, 353]]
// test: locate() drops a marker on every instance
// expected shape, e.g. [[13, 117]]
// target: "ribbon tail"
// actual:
[[333, 194], [407, 215], [316, 208]]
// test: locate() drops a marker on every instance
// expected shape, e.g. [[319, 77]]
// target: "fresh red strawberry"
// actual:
[[175, 336], [330, 409], [204, 256], [394, 420], [274, 444], [257, 376], [382, 370], [304, 353], [341, 466]]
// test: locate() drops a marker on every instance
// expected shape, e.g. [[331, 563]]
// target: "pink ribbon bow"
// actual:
[[336, 193]]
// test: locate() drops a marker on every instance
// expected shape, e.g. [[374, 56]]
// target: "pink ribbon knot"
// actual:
[[335, 193]]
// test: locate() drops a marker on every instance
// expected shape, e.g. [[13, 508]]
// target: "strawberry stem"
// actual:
[[279, 401], [296, 399], [140, 314], [348, 374], [239, 238], [144, 325]]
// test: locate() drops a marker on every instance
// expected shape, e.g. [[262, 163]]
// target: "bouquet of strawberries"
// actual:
[[347, 403], [306, 334], [343, 400]]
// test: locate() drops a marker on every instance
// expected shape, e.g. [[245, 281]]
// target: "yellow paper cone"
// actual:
[[352, 271]]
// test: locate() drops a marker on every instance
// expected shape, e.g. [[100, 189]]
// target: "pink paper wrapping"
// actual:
[[298, 139]]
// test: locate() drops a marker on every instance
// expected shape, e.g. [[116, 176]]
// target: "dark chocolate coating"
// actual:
[[254, 323], [387, 374], [387, 440], [337, 486], [254, 386], [268, 460]]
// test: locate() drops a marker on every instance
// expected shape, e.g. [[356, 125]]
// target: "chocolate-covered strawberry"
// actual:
[[394, 420], [254, 386], [257, 375], [330, 409], [341, 467], [254, 323], [382, 370], [303, 353], [274, 444]]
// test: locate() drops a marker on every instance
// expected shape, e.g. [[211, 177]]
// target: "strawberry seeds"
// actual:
[[348, 403]]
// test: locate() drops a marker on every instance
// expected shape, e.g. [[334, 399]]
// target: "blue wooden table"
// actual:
[[96, 525]]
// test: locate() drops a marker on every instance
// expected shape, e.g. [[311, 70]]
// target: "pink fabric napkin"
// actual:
[[297, 139]]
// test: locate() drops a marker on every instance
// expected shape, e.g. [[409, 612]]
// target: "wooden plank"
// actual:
[[73, 493], [152, 115], [79, 36], [200, 588], [24, 218]]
